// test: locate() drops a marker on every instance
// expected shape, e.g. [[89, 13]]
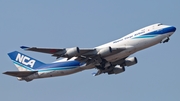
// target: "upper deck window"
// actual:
[[159, 24]]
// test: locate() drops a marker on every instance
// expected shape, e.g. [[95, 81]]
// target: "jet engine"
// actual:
[[71, 52], [130, 61], [105, 51], [117, 69]]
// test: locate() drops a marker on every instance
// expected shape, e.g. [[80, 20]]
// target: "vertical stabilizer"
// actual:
[[24, 62]]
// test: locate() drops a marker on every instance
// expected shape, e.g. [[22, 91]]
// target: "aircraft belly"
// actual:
[[121, 55], [148, 42], [55, 73]]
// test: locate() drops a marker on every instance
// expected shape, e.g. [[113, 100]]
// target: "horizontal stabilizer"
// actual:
[[19, 73]]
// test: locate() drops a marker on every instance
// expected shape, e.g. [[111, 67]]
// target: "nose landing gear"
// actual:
[[165, 40]]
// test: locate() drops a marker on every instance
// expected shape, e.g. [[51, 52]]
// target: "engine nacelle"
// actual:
[[105, 51], [71, 52], [117, 69], [130, 61]]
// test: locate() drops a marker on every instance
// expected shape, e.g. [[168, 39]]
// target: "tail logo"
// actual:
[[25, 60]]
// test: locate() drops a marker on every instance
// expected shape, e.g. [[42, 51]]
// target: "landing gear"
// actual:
[[103, 65], [100, 63], [165, 40], [100, 67]]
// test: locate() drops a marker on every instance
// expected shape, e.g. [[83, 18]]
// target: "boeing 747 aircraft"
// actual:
[[110, 58]]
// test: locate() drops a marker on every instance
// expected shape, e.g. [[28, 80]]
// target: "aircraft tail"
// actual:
[[24, 62]]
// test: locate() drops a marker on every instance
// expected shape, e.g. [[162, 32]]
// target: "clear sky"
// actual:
[[86, 24]]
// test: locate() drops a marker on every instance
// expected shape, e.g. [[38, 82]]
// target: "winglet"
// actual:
[[24, 47]]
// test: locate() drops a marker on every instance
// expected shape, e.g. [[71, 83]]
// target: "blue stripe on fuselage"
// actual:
[[61, 65], [156, 33], [56, 68]]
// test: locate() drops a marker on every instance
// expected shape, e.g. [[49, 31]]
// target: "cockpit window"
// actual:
[[159, 24]]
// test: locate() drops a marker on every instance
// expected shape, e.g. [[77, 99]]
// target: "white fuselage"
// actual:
[[134, 42]]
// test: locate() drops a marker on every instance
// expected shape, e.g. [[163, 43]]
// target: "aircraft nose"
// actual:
[[172, 28], [169, 29]]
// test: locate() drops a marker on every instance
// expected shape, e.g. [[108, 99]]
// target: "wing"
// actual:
[[76, 52], [42, 50], [63, 52]]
